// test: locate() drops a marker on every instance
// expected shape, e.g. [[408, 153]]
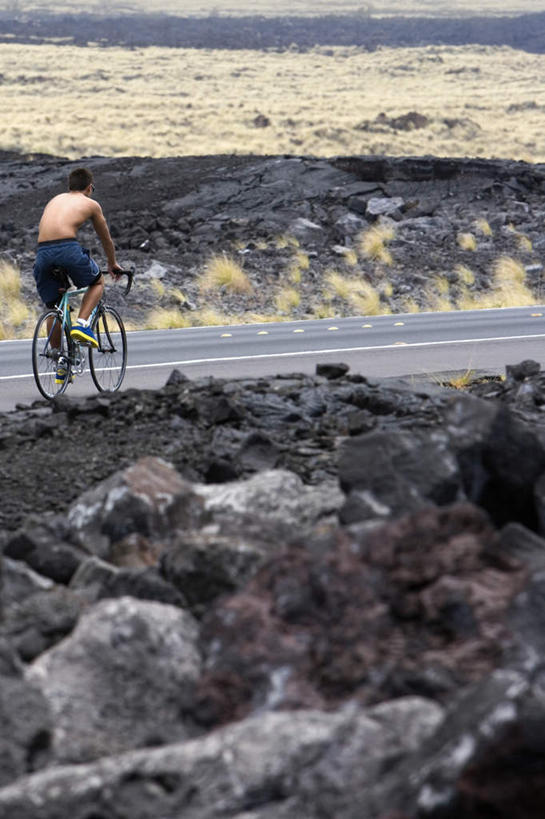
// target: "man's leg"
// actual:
[[91, 299], [81, 331], [54, 332], [48, 291]]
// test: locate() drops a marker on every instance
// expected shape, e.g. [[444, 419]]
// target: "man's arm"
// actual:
[[101, 227]]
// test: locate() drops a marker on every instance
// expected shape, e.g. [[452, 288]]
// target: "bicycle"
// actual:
[[107, 362]]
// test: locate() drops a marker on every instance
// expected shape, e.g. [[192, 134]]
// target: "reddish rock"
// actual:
[[415, 606]]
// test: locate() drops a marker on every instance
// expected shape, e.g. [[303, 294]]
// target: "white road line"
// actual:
[[393, 346], [12, 377]]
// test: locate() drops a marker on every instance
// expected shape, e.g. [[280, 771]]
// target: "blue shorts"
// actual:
[[72, 257]]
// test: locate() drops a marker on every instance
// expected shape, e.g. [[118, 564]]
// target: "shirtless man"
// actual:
[[58, 247]]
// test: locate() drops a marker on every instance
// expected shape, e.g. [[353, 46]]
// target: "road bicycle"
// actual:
[[107, 362]]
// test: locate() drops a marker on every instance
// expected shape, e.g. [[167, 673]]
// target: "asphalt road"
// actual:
[[416, 344]]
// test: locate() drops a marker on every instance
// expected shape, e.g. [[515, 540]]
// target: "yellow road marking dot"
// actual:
[[366, 325], [399, 324], [263, 333], [536, 315], [298, 331], [400, 343], [332, 328], [226, 335]]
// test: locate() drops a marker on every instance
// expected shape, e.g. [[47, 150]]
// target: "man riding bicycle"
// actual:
[[58, 247]]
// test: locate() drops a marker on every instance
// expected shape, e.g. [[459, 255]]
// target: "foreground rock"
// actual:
[[282, 597], [272, 765], [418, 606], [122, 679]]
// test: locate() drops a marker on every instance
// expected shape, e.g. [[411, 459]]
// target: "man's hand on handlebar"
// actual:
[[115, 271]]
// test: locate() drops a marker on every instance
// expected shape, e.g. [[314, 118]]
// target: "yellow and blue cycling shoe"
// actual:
[[62, 372], [84, 335]]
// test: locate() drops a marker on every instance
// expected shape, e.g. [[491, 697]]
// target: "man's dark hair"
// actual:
[[79, 179]]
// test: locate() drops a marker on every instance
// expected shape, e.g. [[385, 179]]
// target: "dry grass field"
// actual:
[[431, 8], [470, 101]]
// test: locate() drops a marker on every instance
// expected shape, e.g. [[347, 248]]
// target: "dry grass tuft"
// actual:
[[483, 227], [465, 274], [262, 318], [166, 319], [509, 288], [287, 300], [10, 282], [224, 272], [508, 271], [366, 300], [524, 244], [467, 300], [158, 288], [372, 243], [410, 305], [208, 317], [441, 285], [16, 318], [439, 304], [295, 274], [337, 286], [324, 311], [178, 296], [284, 241], [462, 381], [350, 257], [298, 265], [387, 289], [302, 260], [467, 241], [358, 293]]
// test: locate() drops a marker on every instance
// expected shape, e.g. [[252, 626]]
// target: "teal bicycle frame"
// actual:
[[76, 351]]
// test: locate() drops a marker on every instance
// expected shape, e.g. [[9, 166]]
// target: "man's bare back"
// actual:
[[65, 214]]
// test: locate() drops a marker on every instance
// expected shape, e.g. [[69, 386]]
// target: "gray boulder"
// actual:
[[121, 680], [383, 206], [97, 579], [275, 494], [252, 520], [25, 719], [202, 565], [501, 459], [389, 473], [272, 765], [486, 759], [135, 508], [17, 581], [40, 620], [43, 546]]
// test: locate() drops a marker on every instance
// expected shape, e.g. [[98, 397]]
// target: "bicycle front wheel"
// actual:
[[108, 361], [51, 342]]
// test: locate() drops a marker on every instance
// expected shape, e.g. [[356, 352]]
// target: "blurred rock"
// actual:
[[122, 680]]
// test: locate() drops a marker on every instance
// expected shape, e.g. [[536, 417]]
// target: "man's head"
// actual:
[[80, 179]]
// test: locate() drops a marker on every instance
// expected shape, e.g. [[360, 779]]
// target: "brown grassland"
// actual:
[[72, 101], [431, 8]]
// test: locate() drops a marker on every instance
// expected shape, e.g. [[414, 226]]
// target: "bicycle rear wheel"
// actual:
[[45, 356], [108, 361]]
